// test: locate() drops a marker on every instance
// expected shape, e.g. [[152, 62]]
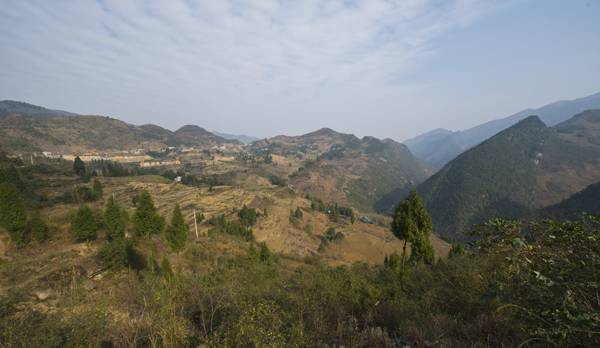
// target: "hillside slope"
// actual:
[[521, 169], [587, 200], [8, 107], [438, 148], [345, 169]]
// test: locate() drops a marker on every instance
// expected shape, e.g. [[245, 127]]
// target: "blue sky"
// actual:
[[384, 68]]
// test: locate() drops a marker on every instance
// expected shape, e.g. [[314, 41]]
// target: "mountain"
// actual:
[[27, 127], [191, 135], [8, 107], [523, 168], [342, 168], [246, 139], [438, 147], [587, 200]]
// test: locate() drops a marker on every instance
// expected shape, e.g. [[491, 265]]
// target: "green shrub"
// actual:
[[118, 253]]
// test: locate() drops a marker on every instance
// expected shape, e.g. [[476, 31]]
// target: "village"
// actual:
[[171, 156]]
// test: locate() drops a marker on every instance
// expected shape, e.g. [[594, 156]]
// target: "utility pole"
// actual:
[[195, 224]]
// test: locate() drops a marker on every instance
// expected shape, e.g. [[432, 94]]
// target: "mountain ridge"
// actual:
[[438, 150]]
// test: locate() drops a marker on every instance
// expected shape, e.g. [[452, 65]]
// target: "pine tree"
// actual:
[[97, 189], [146, 220], [12, 213], [79, 167], [421, 250], [115, 220], [412, 224], [83, 224], [176, 233]]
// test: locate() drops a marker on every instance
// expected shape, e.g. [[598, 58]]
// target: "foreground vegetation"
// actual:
[[533, 284], [141, 280]]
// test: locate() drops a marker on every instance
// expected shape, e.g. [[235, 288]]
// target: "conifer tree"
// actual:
[[412, 224], [115, 220], [83, 224], [146, 220], [97, 189], [12, 213], [176, 233], [79, 167]]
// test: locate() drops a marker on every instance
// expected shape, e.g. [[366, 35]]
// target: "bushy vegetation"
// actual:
[[118, 253], [333, 210], [277, 181], [247, 216], [522, 283], [220, 224], [13, 217]]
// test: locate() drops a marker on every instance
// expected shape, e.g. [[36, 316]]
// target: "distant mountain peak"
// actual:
[[191, 128], [323, 132], [530, 121]]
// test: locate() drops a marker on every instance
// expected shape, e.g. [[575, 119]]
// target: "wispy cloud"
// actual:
[[260, 66]]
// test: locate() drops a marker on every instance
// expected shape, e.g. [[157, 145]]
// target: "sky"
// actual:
[[391, 69]]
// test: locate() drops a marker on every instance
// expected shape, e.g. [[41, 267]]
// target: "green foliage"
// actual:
[[118, 253], [83, 224], [552, 276], [177, 232], [393, 262], [412, 223], [421, 249], [259, 325], [10, 174], [12, 213], [146, 220], [37, 227], [330, 236], [97, 188], [277, 181], [115, 220], [83, 194], [264, 254], [456, 250], [79, 167], [222, 225], [247, 216]]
